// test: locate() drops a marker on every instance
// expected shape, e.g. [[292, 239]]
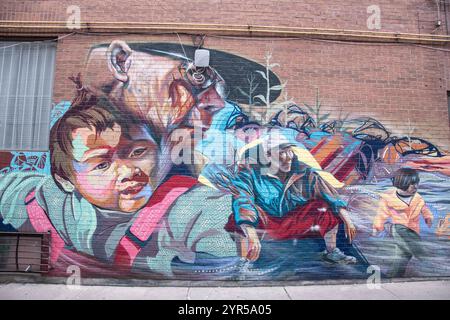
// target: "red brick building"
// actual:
[[378, 68]]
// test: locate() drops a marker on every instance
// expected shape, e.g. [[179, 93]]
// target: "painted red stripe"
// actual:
[[318, 146], [346, 169], [325, 162]]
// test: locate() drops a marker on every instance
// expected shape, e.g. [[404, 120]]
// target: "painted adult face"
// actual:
[[145, 85], [284, 159], [209, 103], [114, 170], [207, 89]]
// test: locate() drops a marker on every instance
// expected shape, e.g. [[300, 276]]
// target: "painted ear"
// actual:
[[65, 184], [182, 101], [119, 59]]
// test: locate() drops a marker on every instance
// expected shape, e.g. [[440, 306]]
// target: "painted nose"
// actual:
[[127, 173], [289, 157], [210, 101]]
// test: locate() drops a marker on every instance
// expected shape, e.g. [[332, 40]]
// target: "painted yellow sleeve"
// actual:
[[381, 216], [426, 213]]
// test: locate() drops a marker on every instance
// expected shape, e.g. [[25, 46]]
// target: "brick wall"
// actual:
[[402, 85], [416, 16], [391, 82]]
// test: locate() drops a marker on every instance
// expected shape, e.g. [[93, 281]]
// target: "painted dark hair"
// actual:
[[404, 178]]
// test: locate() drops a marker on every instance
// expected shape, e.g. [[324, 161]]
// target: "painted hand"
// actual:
[[252, 245], [374, 232], [350, 229]]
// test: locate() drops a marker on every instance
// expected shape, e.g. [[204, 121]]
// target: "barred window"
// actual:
[[26, 83]]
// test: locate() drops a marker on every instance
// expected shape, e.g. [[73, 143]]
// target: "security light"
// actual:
[[201, 58]]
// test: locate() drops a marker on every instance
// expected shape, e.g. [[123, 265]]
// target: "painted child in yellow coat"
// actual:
[[403, 205]]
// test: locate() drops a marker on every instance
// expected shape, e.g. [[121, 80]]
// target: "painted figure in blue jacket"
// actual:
[[287, 200]]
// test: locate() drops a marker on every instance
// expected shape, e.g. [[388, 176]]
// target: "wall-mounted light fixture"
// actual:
[[201, 58]]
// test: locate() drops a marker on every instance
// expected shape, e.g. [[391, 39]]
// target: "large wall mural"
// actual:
[[164, 170]]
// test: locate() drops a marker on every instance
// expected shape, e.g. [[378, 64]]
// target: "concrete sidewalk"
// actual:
[[388, 291]]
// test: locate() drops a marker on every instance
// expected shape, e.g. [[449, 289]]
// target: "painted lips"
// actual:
[[131, 191]]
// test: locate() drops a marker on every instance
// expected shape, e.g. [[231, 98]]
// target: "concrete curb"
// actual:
[[135, 282]]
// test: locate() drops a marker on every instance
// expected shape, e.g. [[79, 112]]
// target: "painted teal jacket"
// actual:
[[84, 228], [253, 189]]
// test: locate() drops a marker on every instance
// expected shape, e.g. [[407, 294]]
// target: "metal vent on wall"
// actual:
[[24, 252]]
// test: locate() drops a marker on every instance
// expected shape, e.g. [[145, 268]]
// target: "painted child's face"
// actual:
[[412, 189], [114, 170]]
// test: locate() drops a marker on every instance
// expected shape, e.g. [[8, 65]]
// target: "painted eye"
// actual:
[[138, 152], [102, 166]]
